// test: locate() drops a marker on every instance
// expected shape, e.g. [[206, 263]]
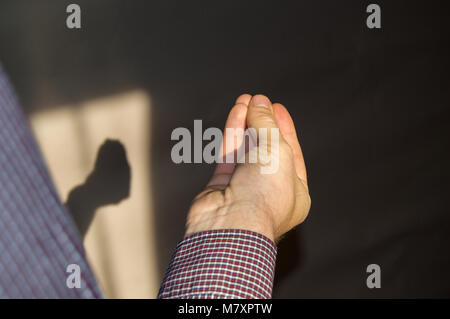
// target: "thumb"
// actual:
[[262, 125], [260, 114]]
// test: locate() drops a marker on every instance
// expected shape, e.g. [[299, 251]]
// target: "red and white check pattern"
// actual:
[[227, 263]]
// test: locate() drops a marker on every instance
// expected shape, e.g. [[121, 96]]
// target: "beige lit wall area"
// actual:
[[120, 240]]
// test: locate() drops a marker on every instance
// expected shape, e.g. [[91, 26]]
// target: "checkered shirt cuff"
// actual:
[[221, 264]]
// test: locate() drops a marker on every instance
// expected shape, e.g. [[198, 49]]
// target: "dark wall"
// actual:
[[371, 107]]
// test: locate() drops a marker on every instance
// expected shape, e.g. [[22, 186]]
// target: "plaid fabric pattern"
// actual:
[[223, 264], [38, 238]]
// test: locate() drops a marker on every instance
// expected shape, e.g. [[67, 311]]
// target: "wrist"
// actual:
[[246, 216]]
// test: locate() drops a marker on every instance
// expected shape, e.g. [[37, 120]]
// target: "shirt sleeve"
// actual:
[[221, 264]]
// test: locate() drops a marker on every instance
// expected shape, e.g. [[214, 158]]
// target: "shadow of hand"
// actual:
[[108, 183]]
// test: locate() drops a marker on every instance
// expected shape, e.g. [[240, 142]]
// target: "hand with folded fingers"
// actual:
[[240, 195]]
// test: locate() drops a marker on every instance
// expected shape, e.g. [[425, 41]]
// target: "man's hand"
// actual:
[[239, 196]]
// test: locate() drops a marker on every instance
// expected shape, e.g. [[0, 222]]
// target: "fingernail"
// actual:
[[260, 100]]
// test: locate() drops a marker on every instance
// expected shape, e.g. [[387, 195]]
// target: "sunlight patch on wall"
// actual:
[[120, 242]]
